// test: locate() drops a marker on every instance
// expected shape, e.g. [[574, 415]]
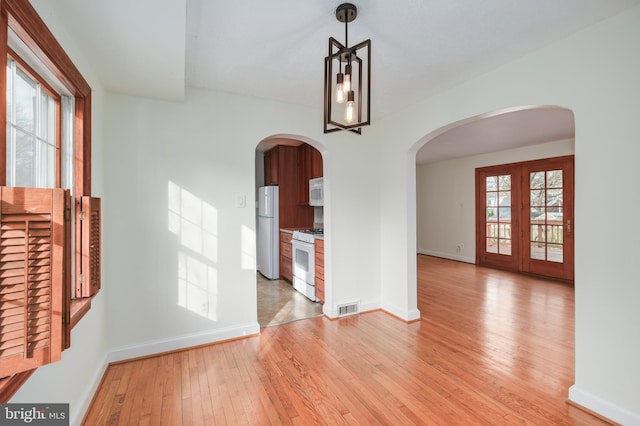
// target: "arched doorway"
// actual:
[[447, 158], [285, 165]]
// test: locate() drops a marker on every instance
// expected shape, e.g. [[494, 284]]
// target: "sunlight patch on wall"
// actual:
[[195, 223], [197, 286], [248, 248]]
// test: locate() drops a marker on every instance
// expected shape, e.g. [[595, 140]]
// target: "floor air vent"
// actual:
[[347, 309]]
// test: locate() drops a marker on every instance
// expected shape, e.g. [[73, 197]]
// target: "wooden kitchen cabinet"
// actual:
[[316, 164], [281, 168], [271, 167], [286, 258], [319, 272], [309, 167]]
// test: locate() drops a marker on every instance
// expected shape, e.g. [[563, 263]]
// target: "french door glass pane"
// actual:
[[537, 198], [555, 253], [504, 246], [554, 197], [504, 199], [536, 180], [538, 251], [504, 230], [492, 183], [504, 182], [536, 212], [492, 245], [554, 179]]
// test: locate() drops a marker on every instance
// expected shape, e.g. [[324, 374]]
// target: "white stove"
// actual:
[[303, 248]]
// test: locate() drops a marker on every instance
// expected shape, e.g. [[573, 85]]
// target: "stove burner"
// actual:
[[317, 231]]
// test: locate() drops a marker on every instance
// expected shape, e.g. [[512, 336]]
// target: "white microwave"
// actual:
[[316, 192]]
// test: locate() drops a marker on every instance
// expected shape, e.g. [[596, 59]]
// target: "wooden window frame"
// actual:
[[24, 21]]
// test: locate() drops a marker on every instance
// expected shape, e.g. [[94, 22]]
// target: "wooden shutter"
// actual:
[[88, 283], [32, 258]]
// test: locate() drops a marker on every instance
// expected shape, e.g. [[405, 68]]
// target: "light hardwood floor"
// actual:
[[492, 348]]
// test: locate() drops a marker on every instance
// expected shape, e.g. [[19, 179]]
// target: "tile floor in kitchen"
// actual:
[[278, 303]]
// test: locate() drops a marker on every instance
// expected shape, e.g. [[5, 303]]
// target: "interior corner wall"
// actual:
[[445, 197], [594, 73]]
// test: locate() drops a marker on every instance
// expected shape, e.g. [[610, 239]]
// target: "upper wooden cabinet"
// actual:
[[271, 166], [310, 166], [316, 163], [282, 168]]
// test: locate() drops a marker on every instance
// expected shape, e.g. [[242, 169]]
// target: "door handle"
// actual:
[[568, 226]]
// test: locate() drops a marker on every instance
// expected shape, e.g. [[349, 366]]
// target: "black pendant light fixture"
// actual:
[[347, 79]]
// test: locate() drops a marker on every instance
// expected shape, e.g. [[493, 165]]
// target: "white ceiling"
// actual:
[[275, 49], [513, 128]]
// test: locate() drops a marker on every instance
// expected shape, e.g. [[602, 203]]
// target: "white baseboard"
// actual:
[[370, 306], [181, 342], [447, 256], [411, 315], [603, 407]]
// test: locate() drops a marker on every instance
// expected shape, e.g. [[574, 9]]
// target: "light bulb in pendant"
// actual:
[[348, 111], [346, 86], [340, 88]]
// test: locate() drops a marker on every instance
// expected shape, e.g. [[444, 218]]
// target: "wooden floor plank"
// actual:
[[491, 348]]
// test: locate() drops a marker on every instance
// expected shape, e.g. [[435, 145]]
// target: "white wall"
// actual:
[[204, 149], [595, 74], [445, 197], [74, 379]]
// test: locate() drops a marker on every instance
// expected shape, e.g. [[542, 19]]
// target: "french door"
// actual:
[[524, 217]]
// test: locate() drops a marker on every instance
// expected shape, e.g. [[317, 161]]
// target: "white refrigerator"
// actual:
[[268, 232]]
